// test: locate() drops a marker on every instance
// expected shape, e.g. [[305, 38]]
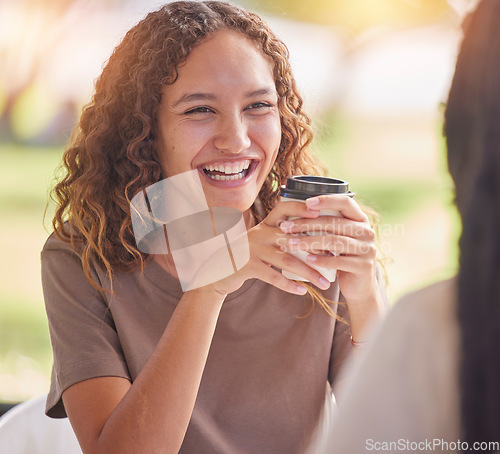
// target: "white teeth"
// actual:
[[229, 169], [227, 177]]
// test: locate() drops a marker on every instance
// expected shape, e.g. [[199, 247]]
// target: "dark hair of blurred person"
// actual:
[[473, 139]]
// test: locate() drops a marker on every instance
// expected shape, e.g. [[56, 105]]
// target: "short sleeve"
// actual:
[[84, 340]]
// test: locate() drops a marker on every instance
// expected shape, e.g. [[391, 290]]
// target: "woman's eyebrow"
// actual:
[[194, 97], [261, 92], [190, 97]]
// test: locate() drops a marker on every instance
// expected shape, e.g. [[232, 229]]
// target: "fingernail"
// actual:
[[293, 242], [286, 225], [301, 290], [311, 257], [312, 202], [325, 283]]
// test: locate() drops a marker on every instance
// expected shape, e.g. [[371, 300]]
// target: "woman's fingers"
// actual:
[[285, 261], [329, 224], [274, 240], [350, 264], [275, 278], [284, 210], [338, 244], [267, 250], [341, 203]]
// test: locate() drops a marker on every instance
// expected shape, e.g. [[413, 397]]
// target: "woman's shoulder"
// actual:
[[419, 318], [55, 243], [424, 321], [436, 301], [60, 242]]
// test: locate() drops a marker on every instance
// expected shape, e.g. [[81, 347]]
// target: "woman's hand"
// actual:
[[346, 244], [267, 250]]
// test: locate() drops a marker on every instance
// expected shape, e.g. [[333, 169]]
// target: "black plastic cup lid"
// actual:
[[305, 186]]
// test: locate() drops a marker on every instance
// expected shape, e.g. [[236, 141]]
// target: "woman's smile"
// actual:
[[229, 173]]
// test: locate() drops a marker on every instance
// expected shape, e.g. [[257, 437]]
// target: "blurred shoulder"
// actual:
[[424, 320], [434, 301], [420, 316]]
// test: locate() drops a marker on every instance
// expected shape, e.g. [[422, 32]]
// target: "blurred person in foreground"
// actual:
[[430, 381], [141, 365]]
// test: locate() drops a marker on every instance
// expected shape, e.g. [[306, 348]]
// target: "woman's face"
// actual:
[[221, 118]]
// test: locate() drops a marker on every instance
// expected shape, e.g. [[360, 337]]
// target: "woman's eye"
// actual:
[[259, 105], [199, 110]]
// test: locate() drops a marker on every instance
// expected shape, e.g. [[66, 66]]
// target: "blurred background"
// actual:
[[374, 75]]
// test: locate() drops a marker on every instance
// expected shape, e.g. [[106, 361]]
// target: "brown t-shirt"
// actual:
[[263, 386]]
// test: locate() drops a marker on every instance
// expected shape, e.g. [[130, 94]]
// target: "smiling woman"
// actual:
[[205, 89]]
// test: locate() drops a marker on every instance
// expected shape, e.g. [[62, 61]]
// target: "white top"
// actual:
[[26, 430], [405, 393]]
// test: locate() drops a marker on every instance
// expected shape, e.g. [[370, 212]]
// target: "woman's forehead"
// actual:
[[227, 45], [228, 60]]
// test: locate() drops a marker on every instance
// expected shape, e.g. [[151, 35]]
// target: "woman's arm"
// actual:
[[109, 415]]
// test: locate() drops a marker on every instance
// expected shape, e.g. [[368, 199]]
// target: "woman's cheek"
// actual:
[[268, 134]]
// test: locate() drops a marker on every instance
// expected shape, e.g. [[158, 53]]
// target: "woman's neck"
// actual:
[[249, 218]]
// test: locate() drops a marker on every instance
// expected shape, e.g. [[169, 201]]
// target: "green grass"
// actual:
[[25, 354], [23, 329], [26, 175], [394, 200]]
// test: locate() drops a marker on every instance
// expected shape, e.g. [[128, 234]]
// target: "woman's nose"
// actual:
[[232, 135]]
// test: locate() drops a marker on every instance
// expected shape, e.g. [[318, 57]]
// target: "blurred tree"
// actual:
[[30, 30], [356, 16]]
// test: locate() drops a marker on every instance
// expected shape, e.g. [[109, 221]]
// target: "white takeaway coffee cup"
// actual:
[[299, 188]]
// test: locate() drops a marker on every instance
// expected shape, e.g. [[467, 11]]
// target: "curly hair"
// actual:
[[113, 151]]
